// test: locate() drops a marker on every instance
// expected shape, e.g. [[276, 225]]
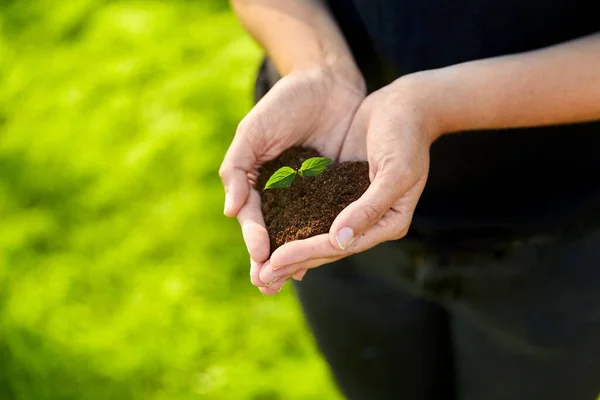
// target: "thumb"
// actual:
[[239, 160], [367, 211], [275, 123]]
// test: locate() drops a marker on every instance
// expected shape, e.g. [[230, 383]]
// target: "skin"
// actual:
[[321, 102]]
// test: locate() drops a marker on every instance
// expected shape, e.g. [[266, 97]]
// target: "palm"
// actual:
[[311, 109], [398, 155], [300, 111]]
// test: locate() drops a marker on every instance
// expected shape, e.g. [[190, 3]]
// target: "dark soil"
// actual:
[[310, 205]]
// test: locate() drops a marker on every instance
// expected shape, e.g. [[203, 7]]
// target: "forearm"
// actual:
[[297, 34], [555, 85]]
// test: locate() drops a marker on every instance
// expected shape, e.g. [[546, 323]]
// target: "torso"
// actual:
[[512, 180]]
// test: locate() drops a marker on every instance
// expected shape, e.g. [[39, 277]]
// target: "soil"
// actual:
[[310, 205]]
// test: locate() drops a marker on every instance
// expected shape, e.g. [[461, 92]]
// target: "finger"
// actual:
[[365, 212], [253, 227], [299, 268], [310, 264], [290, 258], [254, 270], [268, 283], [270, 288], [316, 251], [302, 250], [275, 287], [267, 291], [298, 276], [259, 282], [239, 160], [278, 284], [253, 176]]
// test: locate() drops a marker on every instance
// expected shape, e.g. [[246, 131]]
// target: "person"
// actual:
[[470, 268]]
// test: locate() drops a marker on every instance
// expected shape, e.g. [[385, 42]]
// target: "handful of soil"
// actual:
[[309, 206]]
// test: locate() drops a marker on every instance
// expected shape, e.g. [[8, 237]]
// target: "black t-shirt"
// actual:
[[528, 181]]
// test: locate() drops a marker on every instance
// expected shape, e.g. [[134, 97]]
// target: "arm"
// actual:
[[311, 105], [297, 34], [554, 85]]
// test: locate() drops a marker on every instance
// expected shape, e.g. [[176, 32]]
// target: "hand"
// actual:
[[393, 129], [312, 107]]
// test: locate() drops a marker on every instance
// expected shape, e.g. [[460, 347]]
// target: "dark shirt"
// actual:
[[526, 181]]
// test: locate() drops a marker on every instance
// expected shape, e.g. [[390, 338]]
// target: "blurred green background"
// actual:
[[119, 276]]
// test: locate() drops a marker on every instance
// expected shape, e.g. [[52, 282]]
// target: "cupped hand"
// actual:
[[312, 107], [393, 129]]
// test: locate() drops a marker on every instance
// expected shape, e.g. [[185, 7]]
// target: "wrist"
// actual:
[[440, 93], [298, 36], [420, 98], [347, 72], [334, 70]]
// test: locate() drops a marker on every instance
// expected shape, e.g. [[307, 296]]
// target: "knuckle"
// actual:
[[393, 170], [399, 234], [251, 126], [251, 133], [224, 172], [371, 214], [255, 281], [350, 251], [397, 231], [245, 125]]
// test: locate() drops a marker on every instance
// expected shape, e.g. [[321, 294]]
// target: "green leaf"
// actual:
[[282, 178], [314, 166]]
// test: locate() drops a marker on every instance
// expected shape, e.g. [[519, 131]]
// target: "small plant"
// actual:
[[284, 176]]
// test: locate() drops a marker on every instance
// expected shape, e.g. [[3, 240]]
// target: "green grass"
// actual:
[[119, 276]]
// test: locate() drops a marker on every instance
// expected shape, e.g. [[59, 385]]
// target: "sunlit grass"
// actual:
[[119, 277]]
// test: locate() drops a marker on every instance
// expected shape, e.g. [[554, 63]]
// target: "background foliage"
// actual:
[[119, 276]]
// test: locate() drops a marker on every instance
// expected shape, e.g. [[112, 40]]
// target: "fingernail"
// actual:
[[272, 282], [281, 287], [298, 278], [227, 203], [275, 268], [344, 237]]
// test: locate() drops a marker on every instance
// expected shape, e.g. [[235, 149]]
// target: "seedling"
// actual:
[[284, 176]]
